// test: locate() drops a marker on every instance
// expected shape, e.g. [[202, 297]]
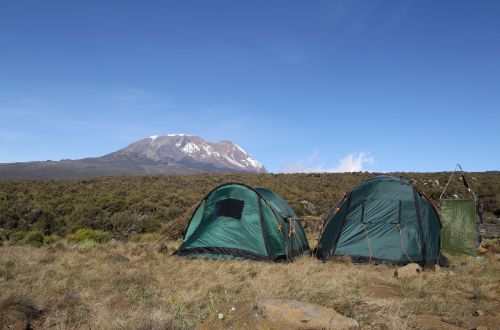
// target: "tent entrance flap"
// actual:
[[229, 207]]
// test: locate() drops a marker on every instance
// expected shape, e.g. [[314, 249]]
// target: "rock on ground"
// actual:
[[481, 249], [292, 314], [408, 270]]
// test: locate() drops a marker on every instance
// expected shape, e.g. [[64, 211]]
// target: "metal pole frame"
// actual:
[[449, 180]]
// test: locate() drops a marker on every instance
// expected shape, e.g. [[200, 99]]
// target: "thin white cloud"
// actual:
[[353, 162], [313, 157]]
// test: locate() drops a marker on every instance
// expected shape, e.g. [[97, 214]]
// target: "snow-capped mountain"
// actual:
[[157, 154], [184, 149]]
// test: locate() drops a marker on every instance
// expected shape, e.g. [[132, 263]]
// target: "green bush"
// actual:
[[87, 234], [127, 224], [17, 235], [87, 245], [48, 240], [34, 238]]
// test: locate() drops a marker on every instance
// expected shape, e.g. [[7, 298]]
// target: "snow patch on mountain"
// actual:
[[240, 149], [253, 163], [177, 150], [232, 161], [190, 148]]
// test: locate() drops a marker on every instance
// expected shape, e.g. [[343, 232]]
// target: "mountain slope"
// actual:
[[169, 154]]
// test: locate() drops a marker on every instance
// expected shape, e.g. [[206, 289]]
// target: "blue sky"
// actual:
[[301, 85]]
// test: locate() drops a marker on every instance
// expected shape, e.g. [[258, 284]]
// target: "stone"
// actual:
[[481, 249], [292, 314], [478, 313], [408, 270]]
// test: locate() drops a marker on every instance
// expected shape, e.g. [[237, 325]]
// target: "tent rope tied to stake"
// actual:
[[401, 242], [369, 243], [178, 225]]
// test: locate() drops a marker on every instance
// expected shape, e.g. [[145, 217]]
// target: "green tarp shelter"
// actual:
[[383, 220], [236, 221], [459, 226]]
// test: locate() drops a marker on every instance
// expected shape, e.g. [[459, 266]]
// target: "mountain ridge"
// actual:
[[157, 154]]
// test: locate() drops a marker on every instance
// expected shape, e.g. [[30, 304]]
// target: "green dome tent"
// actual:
[[383, 220], [236, 221]]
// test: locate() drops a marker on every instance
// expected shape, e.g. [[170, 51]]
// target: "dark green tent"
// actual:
[[236, 221], [383, 220]]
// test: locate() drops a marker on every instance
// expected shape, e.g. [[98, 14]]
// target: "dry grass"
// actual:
[[64, 287]]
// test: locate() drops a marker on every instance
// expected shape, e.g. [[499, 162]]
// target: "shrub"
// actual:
[[126, 206], [151, 224], [87, 245], [17, 235], [34, 238], [126, 224], [48, 240], [87, 234]]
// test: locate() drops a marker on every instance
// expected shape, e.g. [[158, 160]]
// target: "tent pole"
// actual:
[[449, 180], [470, 187]]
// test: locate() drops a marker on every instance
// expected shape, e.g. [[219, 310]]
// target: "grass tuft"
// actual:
[[87, 234]]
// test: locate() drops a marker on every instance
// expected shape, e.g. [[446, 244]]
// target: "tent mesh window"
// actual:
[[229, 207], [458, 217]]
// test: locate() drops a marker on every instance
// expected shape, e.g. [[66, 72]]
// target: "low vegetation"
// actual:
[[86, 234], [127, 206], [67, 286]]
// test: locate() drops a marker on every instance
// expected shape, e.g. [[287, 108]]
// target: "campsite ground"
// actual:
[[118, 285], [57, 273]]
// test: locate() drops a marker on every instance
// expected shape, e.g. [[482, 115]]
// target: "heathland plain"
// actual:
[[84, 254], [129, 205]]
